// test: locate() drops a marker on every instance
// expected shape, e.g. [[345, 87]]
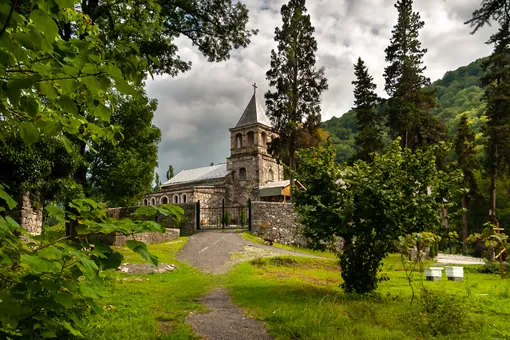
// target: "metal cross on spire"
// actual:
[[255, 87]]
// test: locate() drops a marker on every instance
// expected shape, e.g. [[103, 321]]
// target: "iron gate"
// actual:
[[224, 217]]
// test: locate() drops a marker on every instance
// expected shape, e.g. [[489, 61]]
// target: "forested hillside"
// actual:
[[458, 92]]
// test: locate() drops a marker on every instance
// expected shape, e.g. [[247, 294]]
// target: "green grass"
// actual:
[[259, 240], [300, 298], [152, 306]]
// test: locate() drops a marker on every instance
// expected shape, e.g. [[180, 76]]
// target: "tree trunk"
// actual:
[[464, 225], [492, 197]]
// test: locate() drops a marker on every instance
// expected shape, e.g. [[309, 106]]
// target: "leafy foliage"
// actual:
[[49, 286], [116, 173], [370, 206]]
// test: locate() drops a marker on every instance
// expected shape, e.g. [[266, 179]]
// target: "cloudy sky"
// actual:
[[197, 108]]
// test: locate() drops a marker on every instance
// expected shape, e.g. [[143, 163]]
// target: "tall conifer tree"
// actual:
[[467, 162], [294, 105], [497, 97], [409, 107], [369, 137]]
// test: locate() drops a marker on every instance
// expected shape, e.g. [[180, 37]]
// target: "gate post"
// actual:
[[249, 214], [223, 213], [197, 216]]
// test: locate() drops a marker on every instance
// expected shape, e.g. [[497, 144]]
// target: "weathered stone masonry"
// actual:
[[277, 221]]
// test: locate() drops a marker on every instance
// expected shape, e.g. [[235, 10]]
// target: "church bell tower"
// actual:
[[250, 163]]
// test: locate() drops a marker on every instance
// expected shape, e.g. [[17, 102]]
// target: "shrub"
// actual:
[[441, 314]]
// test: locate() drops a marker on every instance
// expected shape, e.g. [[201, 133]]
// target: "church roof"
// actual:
[[254, 113], [199, 174]]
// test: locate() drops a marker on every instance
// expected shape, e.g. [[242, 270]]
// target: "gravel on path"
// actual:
[[225, 321]]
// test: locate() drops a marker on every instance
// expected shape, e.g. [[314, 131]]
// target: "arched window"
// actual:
[[239, 140], [145, 201], [263, 137], [242, 174], [164, 200], [271, 175], [184, 198], [176, 199], [153, 201], [251, 138]]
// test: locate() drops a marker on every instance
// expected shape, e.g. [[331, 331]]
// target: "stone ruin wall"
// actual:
[[186, 225], [28, 216], [279, 222]]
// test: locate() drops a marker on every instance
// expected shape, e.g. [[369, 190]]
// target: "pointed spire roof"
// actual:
[[254, 112]]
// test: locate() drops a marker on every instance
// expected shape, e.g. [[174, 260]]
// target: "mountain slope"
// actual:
[[458, 92]]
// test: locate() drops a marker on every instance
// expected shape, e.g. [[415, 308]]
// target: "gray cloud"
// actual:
[[197, 108]]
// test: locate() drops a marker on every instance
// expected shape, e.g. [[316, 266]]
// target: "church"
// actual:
[[249, 173]]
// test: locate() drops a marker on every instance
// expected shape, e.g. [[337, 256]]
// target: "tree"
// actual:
[[497, 10], [371, 205], [497, 129], [121, 173], [294, 106], [468, 163], [136, 36], [409, 106], [157, 183], [54, 90], [170, 172], [369, 138]]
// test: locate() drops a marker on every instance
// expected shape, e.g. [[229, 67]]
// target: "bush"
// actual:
[[441, 314], [492, 267]]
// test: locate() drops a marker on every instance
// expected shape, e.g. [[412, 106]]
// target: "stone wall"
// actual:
[[186, 225], [277, 221], [28, 217], [120, 240]]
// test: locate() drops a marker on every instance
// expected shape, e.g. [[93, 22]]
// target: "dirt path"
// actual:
[[225, 321], [217, 251]]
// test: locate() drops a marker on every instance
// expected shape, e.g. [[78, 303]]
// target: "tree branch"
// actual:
[[50, 244], [8, 18]]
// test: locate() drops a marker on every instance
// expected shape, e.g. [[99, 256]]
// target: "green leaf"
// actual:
[[25, 40], [48, 333], [45, 24], [67, 105], [14, 96], [124, 87], [30, 106], [114, 71], [145, 211], [67, 85], [47, 89], [50, 253], [20, 83], [112, 261], [29, 133], [141, 249], [64, 299], [8, 199], [102, 112], [92, 83], [39, 264]]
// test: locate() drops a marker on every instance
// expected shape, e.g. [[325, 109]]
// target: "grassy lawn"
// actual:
[[152, 306], [300, 298], [256, 239]]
